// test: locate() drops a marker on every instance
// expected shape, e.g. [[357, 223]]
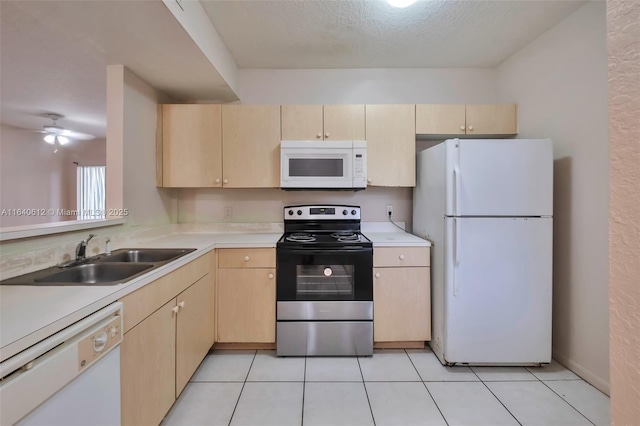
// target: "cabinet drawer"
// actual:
[[401, 256], [143, 302], [247, 258]]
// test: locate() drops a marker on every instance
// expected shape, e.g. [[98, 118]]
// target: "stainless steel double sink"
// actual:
[[118, 267]]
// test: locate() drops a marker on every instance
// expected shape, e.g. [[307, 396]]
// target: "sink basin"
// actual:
[[144, 255], [95, 273]]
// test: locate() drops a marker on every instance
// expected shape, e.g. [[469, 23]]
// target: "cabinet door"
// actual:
[[491, 120], [251, 146], [401, 304], [301, 122], [194, 329], [191, 146], [391, 145], [344, 122], [440, 119], [147, 368], [247, 305]]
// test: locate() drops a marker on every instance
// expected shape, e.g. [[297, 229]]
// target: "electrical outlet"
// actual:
[[389, 210], [228, 212]]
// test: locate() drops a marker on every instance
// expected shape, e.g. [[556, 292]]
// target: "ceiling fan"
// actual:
[[58, 135]]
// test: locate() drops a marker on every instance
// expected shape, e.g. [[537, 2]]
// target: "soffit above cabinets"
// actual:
[[372, 34]]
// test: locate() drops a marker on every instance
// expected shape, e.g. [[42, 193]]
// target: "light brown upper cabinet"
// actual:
[[190, 146], [466, 120], [391, 145], [323, 122], [251, 146]]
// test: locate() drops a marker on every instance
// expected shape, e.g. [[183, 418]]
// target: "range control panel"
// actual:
[[329, 212]]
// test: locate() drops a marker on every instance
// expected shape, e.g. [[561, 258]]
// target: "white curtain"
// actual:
[[91, 192]]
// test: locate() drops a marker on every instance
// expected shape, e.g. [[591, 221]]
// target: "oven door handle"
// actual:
[[333, 251]]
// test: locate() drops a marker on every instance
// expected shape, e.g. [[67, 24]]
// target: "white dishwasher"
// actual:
[[70, 378]]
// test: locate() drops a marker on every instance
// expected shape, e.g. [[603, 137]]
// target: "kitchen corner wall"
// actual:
[[623, 40], [559, 82]]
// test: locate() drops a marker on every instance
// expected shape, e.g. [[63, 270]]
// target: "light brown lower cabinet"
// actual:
[[402, 304], [160, 353], [246, 305]]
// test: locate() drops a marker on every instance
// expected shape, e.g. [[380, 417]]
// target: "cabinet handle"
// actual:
[[217, 180], [270, 276], [326, 135], [377, 274], [181, 304], [225, 181], [461, 127], [175, 309], [470, 128], [319, 135], [246, 258], [401, 257]]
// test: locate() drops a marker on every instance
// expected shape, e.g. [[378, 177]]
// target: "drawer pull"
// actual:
[[377, 274], [270, 276], [401, 257], [246, 258]]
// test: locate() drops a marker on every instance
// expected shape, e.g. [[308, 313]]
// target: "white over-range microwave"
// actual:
[[323, 165]]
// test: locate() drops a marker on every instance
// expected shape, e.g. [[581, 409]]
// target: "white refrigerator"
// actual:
[[487, 206]]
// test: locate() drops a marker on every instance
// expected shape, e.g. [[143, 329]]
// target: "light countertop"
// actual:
[[29, 314]]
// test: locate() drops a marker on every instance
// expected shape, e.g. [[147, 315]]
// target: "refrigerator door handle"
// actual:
[[456, 255], [456, 180]]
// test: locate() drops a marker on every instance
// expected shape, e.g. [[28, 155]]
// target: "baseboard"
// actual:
[[243, 346], [584, 373], [398, 345]]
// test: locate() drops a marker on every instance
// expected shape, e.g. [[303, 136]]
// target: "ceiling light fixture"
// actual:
[[50, 139], [401, 3], [53, 139]]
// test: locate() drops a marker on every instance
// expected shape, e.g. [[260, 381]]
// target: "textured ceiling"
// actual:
[[54, 56], [372, 34]]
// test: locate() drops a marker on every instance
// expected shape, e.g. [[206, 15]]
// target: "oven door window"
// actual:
[[330, 274], [325, 282]]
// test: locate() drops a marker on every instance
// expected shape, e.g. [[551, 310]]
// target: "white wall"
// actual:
[[368, 86], [329, 86], [147, 204], [559, 82]]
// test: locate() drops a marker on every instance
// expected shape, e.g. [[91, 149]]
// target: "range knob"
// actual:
[[290, 212], [353, 212], [299, 212], [344, 212]]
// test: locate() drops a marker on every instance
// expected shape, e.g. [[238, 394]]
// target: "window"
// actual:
[[91, 192]]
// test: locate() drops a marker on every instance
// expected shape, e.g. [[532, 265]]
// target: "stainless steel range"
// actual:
[[324, 283]]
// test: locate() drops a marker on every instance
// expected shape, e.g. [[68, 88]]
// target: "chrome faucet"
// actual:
[[81, 248]]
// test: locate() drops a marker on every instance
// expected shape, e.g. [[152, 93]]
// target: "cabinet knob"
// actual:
[[225, 181], [461, 127], [181, 304], [401, 257], [470, 128], [319, 135], [175, 309], [217, 180], [377, 274], [246, 258], [270, 276], [326, 135]]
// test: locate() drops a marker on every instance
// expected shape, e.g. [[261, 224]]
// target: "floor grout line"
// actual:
[[243, 385], [364, 385], [567, 402], [496, 397], [428, 391]]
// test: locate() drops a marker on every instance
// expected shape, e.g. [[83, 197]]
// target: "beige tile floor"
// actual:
[[394, 387]]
